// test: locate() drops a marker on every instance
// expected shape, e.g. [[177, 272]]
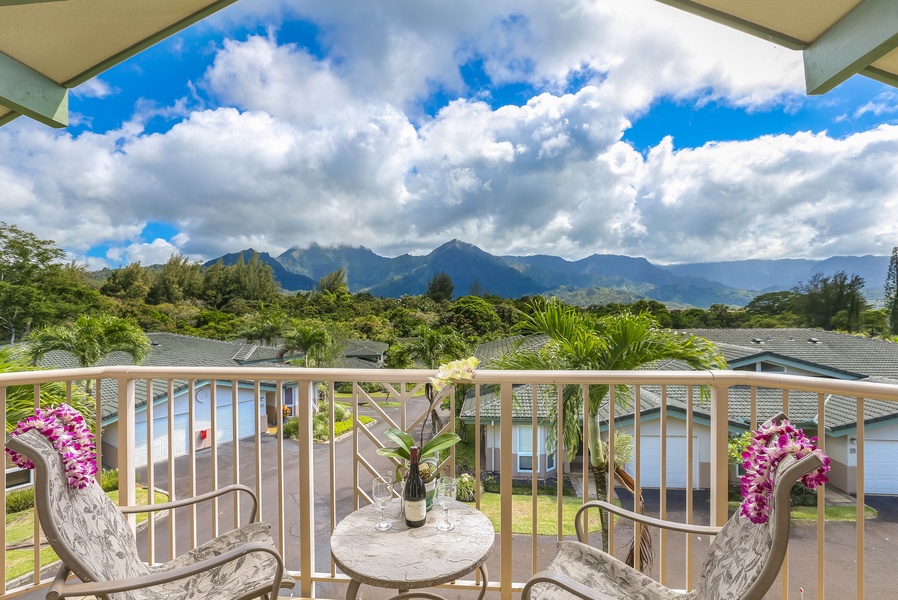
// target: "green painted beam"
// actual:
[[32, 94], [14, 2], [737, 23], [881, 76], [146, 43], [867, 33]]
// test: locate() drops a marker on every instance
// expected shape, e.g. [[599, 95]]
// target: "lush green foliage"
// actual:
[[440, 288], [891, 292], [20, 398], [36, 287], [242, 300], [19, 500], [89, 339], [467, 487]]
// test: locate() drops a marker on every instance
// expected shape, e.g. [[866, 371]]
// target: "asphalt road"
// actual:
[[881, 533]]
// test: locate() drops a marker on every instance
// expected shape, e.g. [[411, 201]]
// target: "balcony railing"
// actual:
[[305, 487]]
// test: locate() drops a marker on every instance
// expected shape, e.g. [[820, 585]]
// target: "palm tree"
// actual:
[[579, 341], [89, 339], [20, 398], [265, 328], [305, 339]]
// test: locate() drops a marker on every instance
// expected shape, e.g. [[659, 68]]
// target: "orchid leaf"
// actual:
[[440, 442], [402, 439]]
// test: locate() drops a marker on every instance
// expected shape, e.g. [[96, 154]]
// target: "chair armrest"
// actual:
[[629, 514], [564, 582], [60, 589], [234, 487]]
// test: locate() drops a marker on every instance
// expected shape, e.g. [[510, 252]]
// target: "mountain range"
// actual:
[[599, 278]]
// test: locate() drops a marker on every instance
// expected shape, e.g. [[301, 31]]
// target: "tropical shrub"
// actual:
[[19, 500], [467, 487]]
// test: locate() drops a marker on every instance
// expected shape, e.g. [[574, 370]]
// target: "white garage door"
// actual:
[[650, 462], [247, 420], [160, 439], [880, 474]]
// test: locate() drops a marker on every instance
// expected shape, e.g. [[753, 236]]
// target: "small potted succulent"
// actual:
[[455, 371]]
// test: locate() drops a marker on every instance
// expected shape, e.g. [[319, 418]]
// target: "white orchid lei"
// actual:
[[64, 427]]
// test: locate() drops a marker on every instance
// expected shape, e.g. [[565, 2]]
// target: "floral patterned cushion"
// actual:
[[739, 553], [734, 562], [92, 528], [89, 524], [601, 572]]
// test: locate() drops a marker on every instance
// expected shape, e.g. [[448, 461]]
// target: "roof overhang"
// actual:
[[49, 46], [838, 38]]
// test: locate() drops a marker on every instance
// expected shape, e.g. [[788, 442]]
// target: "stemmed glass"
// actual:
[[446, 489], [381, 491]]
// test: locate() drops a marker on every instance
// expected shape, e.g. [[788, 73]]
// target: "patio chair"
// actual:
[[742, 562], [94, 541]]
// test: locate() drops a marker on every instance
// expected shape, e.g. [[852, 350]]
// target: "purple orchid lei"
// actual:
[[769, 445], [64, 427]]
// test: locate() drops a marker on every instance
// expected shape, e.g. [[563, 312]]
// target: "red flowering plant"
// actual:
[[769, 446], [64, 427]]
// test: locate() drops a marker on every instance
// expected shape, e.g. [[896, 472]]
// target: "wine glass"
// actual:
[[381, 491], [446, 489]]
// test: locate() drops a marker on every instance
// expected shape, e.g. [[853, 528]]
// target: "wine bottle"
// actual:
[[415, 495]]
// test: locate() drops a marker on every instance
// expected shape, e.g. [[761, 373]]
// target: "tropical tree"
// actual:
[[305, 339], [578, 340], [180, 279], [131, 282], [891, 292], [264, 327], [36, 287], [89, 339], [822, 298], [20, 398], [440, 288], [334, 282]]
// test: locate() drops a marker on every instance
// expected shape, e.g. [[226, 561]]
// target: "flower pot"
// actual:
[[431, 487]]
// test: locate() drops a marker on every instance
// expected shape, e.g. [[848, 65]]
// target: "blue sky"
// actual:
[[566, 128]]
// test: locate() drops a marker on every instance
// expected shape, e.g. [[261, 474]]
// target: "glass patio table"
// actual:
[[406, 558]]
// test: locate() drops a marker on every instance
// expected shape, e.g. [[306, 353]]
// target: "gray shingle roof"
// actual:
[[172, 350], [855, 357], [839, 351], [496, 348]]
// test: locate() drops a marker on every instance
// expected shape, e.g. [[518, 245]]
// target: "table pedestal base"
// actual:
[[352, 591]]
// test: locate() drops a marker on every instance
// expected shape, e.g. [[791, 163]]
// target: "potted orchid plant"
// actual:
[[452, 372]]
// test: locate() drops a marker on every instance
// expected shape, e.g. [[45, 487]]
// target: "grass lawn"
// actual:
[[831, 513], [20, 530], [344, 426], [546, 514]]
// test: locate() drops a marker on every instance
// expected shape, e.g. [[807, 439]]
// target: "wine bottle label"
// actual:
[[415, 510]]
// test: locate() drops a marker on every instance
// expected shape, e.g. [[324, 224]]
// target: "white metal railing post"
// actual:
[[127, 472], [719, 461], [305, 396], [506, 468]]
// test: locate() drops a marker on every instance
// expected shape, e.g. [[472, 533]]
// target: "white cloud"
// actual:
[[94, 88], [300, 149], [883, 104]]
